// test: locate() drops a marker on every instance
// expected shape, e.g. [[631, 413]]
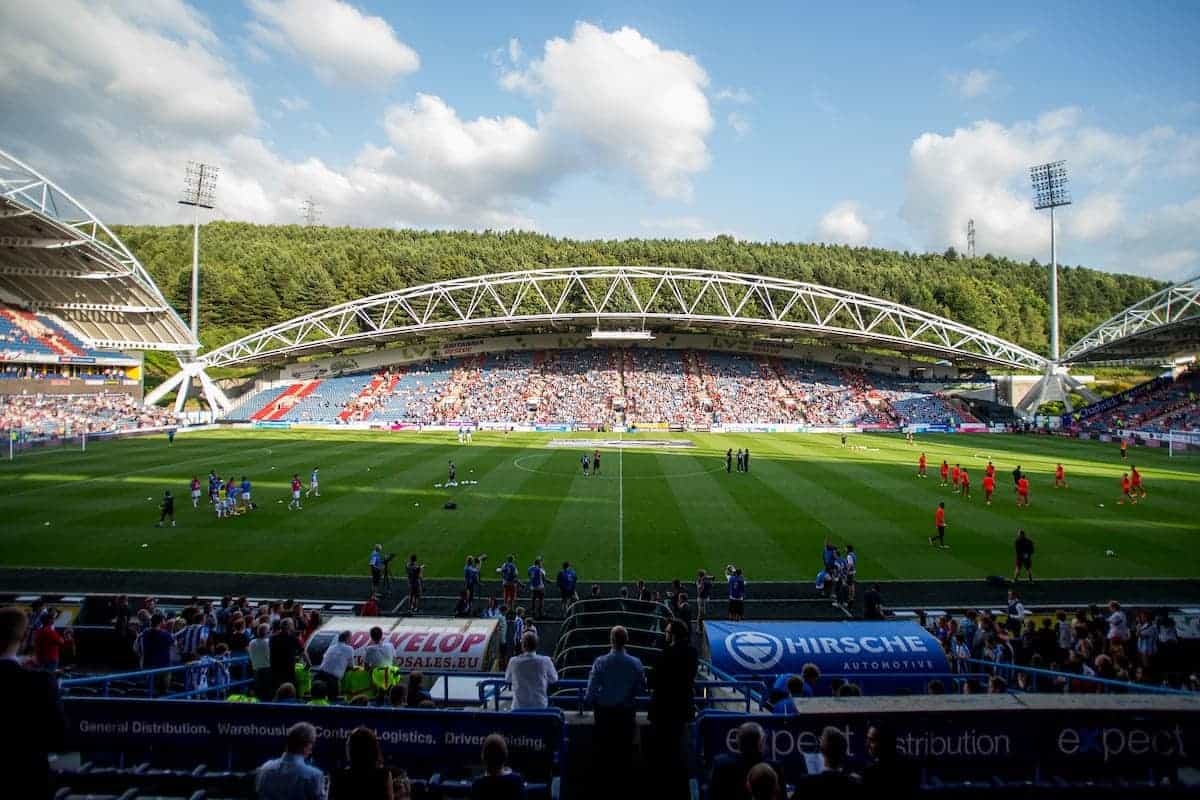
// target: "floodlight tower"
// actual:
[[971, 238], [1050, 191], [311, 213], [200, 187]]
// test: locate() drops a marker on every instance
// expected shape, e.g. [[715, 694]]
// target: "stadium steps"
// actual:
[[270, 406], [302, 391], [346, 413]]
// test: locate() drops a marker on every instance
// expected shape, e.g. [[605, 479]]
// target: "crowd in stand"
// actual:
[[592, 386], [1155, 408], [656, 389], [579, 385], [38, 415]]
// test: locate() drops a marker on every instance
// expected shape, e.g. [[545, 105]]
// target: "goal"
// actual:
[[1182, 443]]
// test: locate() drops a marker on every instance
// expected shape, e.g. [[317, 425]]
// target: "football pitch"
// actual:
[[653, 512]]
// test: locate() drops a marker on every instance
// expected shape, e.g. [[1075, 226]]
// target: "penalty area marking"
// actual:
[[517, 462]]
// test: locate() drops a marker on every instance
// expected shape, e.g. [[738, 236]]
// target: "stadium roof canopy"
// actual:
[[619, 297], [1165, 324], [56, 257]]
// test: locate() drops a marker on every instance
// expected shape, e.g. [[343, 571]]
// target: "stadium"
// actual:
[[788, 503]]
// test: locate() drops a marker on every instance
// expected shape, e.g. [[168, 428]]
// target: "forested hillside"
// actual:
[[255, 275]]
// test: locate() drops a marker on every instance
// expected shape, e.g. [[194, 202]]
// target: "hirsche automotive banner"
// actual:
[[882, 657]]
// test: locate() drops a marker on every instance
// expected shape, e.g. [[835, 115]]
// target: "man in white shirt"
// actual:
[[530, 675], [378, 653], [336, 661], [1118, 624], [259, 651]]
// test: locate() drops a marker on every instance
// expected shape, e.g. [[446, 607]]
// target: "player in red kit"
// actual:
[[989, 486], [1135, 483], [195, 492], [966, 484], [1126, 485], [954, 473], [990, 470], [945, 472], [921, 466], [1023, 492], [939, 522], [1060, 477], [295, 494]]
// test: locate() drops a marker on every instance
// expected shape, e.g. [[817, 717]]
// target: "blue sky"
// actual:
[[882, 124]]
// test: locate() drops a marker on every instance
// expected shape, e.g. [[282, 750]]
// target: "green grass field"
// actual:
[[652, 514]]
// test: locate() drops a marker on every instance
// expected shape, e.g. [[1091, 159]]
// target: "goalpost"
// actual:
[[1179, 442]]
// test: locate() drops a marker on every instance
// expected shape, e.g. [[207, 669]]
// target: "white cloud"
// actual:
[[1097, 216], [843, 224], [982, 172], [997, 42], [514, 50], [102, 114], [619, 99], [341, 43], [739, 123], [973, 83], [80, 50], [294, 103], [739, 96]]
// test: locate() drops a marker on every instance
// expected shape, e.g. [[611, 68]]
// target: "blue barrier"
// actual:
[[235, 665], [943, 733]]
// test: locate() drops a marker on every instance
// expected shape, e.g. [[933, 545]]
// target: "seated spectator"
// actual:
[[833, 753], [289, 777], [398, 696], [730, 771], [286, 693], [762, 783], [416, 690], [498, 781], [364, 777], [530, 675]]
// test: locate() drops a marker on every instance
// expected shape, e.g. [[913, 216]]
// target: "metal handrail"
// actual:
[[993, 667], [493, 690], [148, 674]]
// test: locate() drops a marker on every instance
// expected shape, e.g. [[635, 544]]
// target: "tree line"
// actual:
[[257, 275]]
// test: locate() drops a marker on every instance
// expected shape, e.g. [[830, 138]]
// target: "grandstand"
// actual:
[[606, 387]]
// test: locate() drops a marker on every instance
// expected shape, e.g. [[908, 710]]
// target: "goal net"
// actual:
[[1182, 443]]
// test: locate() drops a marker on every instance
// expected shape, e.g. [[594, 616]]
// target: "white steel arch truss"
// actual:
[[68, 262], [1160, 311], [625, 296]]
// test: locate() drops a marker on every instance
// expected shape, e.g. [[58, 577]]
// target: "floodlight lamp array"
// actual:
[[1050, 189]]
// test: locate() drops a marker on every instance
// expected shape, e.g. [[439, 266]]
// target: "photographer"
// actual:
[[473, 585], [416, 575], [376, 565], [508, 575], [737, 592]]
